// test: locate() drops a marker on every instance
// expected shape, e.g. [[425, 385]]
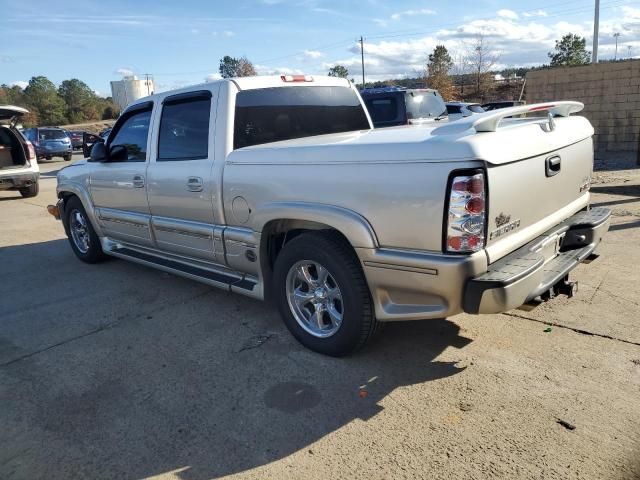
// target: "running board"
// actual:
[[216, 279]]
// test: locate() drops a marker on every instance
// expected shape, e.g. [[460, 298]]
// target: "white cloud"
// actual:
[[508, 14], [412, 13], [380, 22], [314, 54], [195, 31], [536, 13], [228, 33], [212, 77], [19, 83], [125, 72]]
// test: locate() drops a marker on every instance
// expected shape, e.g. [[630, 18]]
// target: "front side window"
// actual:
[[453, 109], [132, 134], [184, 129], [273, 114]]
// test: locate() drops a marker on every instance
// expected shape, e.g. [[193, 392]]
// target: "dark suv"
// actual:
[[392, 106], [50, 142]]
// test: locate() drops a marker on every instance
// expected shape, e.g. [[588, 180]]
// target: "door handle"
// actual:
[[194, 184], [138, 181]]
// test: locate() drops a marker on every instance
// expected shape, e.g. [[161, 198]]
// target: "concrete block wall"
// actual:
[[611, 94]]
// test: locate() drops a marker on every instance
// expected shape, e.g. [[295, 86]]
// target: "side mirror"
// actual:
[[118, 153], [99, 152]]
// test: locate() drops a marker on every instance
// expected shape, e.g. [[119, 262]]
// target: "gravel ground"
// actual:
[[120, 371]]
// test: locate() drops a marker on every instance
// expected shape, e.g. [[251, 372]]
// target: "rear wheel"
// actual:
[[67, 158], [30, 191], [322, 294], [82, 237]]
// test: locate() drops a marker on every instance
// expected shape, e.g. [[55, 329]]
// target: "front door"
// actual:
[[118, 188], [180, 187]]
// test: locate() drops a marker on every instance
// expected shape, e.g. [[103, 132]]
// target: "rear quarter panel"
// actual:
[[402, 201]]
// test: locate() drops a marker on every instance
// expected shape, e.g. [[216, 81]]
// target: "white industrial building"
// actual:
[[130, 89]]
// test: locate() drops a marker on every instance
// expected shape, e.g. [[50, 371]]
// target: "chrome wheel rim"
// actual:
[[314, 298], [79, 229]]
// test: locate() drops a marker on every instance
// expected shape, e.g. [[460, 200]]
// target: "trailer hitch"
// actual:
[[563, 287]]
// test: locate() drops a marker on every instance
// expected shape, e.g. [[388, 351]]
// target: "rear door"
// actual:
[[118, 188], [181, 189]]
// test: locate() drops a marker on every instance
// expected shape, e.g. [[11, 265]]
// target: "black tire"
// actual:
[[67, 158], [94, 253], [333, 252], [30, 191]]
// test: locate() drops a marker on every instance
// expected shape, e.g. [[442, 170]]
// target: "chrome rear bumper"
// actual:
[[535, 268]]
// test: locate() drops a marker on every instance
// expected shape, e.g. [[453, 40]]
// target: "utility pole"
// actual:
[[146, 81], [596, 29], [616, 35], [362, 57], [629, 47]]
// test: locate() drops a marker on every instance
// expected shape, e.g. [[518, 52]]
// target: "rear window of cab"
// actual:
[[282, 113]]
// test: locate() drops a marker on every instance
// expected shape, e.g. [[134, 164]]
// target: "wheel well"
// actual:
[[277, 233]]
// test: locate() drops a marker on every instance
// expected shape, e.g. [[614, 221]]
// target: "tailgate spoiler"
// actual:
[[489, 121]]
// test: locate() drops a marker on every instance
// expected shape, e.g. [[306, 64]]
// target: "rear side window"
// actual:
[[184, 128], [273, 114], [453, 109], [382, 109]]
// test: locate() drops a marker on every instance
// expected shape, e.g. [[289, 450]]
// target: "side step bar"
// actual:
[[216, 279]]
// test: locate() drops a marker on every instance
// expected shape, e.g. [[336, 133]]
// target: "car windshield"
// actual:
[[424, 105], [52, 134], [476, 108]]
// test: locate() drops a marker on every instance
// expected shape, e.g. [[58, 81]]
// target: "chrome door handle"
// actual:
[[194, 184], [138, 181]]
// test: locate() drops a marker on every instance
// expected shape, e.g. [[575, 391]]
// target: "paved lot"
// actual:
[[120, 371]]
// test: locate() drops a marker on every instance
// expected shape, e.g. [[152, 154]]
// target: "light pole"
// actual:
[[616, 35], [362, 57], [629, 47], [596, 28]]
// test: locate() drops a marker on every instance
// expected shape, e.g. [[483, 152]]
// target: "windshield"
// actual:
[[52, 134], [424, 105], [476, 108]]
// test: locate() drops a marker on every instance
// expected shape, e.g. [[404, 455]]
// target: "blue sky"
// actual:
[[181, 42]]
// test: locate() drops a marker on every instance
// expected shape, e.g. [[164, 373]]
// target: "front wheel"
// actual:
[[82, 237], [67, 158], [322, 294]]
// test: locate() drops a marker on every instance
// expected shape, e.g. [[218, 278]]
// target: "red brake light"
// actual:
[[296, 78], [31, 152]]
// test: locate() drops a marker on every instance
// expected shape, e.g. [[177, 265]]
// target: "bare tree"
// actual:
[[459, 71], [480, 59]]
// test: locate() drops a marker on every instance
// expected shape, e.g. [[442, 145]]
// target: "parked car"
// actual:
[[50, 142], [487, 107], [392, 106], [458, 110], [291, 195], [76, 139], [18, 165]]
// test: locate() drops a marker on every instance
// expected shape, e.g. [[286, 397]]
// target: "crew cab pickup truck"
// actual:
[[279, 187]]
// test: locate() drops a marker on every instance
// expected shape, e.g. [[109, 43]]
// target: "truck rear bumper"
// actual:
[[535, 268]]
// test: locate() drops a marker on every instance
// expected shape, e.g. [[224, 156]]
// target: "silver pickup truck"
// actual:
[[278, 187]]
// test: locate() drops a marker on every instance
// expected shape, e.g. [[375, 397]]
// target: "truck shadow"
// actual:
[[117, 370]]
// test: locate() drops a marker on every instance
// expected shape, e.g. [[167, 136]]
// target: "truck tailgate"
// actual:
[[527, 197]]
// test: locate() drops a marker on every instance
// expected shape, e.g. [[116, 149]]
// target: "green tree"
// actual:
[[236, 67], [82, 102], [339, 71], [438, 77], [570, 50], [42, 96]]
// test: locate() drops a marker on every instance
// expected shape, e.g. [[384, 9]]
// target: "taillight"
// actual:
[[31, 152], [466, 215]]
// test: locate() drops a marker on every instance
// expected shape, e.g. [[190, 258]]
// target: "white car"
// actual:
[[18, 165], [458, 110]]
